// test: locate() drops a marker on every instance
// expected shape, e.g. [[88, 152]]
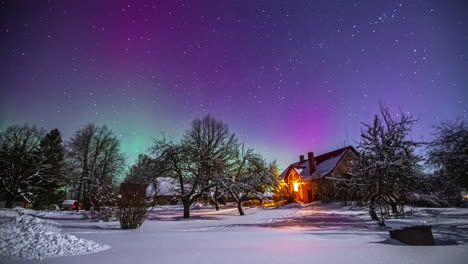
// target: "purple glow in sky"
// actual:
[[287, 76]]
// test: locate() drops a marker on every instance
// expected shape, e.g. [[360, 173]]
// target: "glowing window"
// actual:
[[296, 186]]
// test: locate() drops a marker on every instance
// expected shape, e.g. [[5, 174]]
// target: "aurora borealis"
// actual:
[[288, 77]]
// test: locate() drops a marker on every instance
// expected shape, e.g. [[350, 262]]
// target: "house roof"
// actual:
[[324, 164], [165, 187]]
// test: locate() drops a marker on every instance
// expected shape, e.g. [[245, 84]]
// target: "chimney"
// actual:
[[301, 159], [311, 162]]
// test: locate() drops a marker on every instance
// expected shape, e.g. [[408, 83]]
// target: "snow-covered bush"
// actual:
[[448, 152], [426, 200], [436, 191]]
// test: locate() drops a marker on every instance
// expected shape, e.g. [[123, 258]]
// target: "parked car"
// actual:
[[71, 205]]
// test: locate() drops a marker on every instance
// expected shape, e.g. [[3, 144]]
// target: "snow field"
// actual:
[[314, 233]]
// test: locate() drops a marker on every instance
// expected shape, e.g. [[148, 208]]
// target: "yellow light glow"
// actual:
[[296, 186]]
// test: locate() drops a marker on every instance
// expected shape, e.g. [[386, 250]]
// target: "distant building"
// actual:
[[165, 191], [305, 176]]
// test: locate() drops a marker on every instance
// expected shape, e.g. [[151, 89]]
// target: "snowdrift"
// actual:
[[30, 237]]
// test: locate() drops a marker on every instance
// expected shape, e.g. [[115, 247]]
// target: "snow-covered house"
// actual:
[[305, 176], [165, 192]]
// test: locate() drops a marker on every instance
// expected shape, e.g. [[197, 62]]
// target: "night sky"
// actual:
[[287, 76]]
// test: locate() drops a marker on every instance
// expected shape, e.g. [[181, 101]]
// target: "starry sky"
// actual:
[[288, 77]]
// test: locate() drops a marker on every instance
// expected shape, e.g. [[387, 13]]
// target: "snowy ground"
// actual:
[[24, 234], [314, 233]]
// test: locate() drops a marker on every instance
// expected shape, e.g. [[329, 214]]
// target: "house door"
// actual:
[[309, 196]]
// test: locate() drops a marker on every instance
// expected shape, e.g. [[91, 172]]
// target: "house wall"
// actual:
[[305, 193], [165, 200], [325, 187], [306, 196], [343, 167]]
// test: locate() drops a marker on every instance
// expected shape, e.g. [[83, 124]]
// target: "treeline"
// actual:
[[41, 169], [393, 170], [208, 161]]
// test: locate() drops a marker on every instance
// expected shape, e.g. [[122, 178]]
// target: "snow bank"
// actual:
[[30, 237], [399, 224], [55, 215]]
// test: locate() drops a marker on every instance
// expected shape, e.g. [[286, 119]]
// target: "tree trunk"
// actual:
[[186, 210], [215, 202], [372, 201], [9, 201], [239, 207], [394, 209], [372, 212]]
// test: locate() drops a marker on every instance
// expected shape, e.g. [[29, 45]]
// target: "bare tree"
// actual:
[[176, 165], [199, 159], [95, 162], [22, 165], [211, 147], [248, 177]]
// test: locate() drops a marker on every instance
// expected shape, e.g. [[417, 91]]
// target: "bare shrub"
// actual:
[[132, 205], [132, 216]]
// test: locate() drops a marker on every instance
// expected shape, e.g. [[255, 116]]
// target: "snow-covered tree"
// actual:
[[94, 163], [22, 165], [448, 152], [248, 178], [387, 168]]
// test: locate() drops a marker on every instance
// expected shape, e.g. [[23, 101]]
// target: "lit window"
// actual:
[[296, 186]]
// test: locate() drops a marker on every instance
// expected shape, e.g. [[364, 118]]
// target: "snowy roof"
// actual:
[[324, 164], [165, 186]]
